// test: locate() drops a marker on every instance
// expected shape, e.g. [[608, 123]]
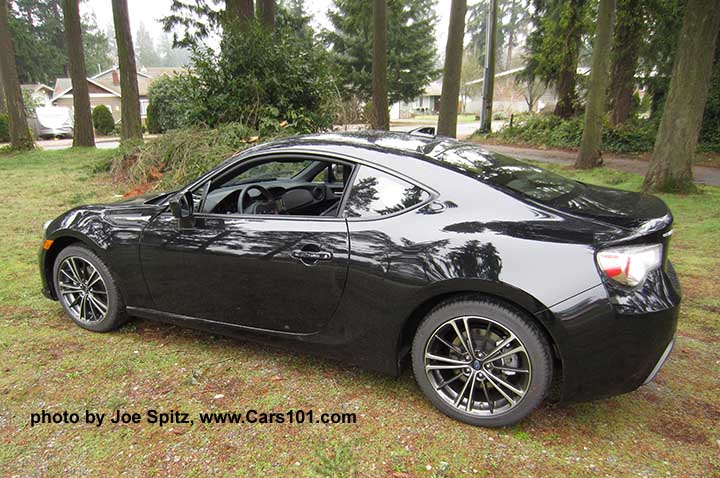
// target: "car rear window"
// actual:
[[509, 173]]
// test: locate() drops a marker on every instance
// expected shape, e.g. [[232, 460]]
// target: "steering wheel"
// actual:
[[269, 200]]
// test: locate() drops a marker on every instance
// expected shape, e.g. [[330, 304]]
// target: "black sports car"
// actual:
[[492, 276]]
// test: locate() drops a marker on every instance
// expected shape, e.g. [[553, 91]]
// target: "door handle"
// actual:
[[312, 255]]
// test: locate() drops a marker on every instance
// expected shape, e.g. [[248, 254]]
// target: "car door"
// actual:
[[273, 272]]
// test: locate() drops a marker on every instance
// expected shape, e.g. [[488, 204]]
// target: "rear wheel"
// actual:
[[481, 362], [87, 290]]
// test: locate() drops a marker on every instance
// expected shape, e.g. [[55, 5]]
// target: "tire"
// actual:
[[72, 274], [444, 370]]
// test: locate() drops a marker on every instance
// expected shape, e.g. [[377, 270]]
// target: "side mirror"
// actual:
[[181, 206]]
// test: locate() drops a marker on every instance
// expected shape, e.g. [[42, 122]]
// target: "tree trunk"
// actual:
[[20, 138], [267, 13], [3, 108], [671, 163], [589, 155], [626, 45], [379, 66], [565, 106], [489, 69], [131, 127], [239, 11], [511, 35], [447, 122], [83, 130]]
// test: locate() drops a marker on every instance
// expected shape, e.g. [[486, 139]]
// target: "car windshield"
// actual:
[[506, 172]]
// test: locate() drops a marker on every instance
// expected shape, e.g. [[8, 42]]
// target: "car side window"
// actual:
[[375, 194], [333, 173]]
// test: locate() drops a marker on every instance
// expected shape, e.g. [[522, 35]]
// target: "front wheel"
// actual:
[[481, 362], [87, 290]]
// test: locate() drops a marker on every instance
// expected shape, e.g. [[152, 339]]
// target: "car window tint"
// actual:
[[338, 173], [375, 193], [523, 178], [267, 171]]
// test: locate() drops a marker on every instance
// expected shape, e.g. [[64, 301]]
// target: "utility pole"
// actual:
[[489, 73]]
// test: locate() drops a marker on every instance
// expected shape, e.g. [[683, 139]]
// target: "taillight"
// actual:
[[630, 265]]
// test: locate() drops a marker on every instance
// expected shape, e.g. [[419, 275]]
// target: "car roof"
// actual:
[[385, 141]]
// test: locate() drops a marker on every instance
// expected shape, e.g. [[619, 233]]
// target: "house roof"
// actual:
[[433, 89], [64, 85], [502, 74], [581, 70], [35, 87], [61, 84], [145, 77]]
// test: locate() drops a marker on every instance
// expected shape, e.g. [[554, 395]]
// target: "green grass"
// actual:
[[668, 428]]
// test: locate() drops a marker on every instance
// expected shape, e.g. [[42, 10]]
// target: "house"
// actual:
[[510, 96], [428, 103], [40, 93], [104, 89]]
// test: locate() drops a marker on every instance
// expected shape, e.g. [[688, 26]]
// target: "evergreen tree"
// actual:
[[381, 118], [671, 163], [513, 19], [41, 55], [145, 48], [131, 127], [554, 48], [19, 133], [412, 56], [83, 130], [447, 121], [589, 155], [629, 29]]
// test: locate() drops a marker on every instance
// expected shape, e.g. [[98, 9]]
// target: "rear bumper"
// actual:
[[613, 342], [63, 131], [660, 362]]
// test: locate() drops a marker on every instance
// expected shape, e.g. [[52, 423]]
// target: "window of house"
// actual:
[[375, 193]]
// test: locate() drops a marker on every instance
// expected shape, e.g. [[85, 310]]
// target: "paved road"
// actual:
[[702, 174]]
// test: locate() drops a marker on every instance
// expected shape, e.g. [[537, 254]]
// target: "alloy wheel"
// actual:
[[82, 290], [477, 365]]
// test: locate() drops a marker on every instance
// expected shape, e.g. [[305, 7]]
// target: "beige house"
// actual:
[[104, 89]]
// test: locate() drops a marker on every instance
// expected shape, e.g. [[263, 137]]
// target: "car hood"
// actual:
[[143, 199]]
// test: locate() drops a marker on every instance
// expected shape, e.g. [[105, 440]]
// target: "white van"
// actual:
[[52, 121]]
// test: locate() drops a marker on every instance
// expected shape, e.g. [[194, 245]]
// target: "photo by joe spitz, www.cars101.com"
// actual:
[[491, 277]]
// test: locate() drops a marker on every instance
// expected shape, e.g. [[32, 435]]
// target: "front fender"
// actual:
[[113, 234]]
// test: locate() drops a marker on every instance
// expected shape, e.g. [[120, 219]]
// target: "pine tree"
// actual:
[[447, 122], [19, 133], [83, 130], [131, 126], [671, 163], [412, 56], [589, 154], [379, 66]]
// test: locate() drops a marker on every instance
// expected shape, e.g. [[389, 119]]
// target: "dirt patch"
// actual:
[[678, 430]]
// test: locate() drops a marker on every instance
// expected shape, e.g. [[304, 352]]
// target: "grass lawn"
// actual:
[[667, 428]]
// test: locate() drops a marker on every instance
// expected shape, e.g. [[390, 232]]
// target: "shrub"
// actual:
[[179, 156], [550, 130], [4, 128], [103, 120], [171, 99], [249, 83], [151, 121]]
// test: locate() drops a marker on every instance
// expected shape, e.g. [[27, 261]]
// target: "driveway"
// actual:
[[701, 174]]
